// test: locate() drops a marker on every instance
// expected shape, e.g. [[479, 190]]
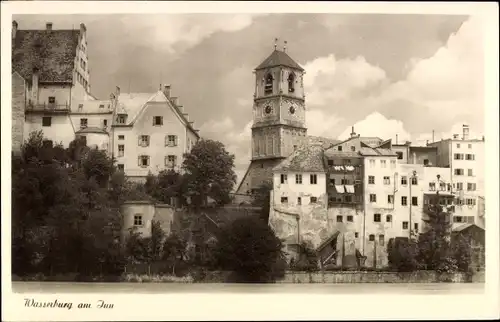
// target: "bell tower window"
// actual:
[[291, 83], [268, 86]]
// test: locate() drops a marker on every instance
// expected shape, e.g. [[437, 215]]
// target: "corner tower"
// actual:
[[279, 117]]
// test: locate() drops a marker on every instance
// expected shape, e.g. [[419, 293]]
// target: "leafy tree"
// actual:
[[174, 251], [402, 254], [249, 248], [462, 252], [435, 251], [209, 172], [308, 258], [262, 199]]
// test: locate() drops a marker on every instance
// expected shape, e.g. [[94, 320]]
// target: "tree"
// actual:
[[174, 251], [209, 172], [308, 259], [249, 248], [262, 199], [402, 254], [435, 252]]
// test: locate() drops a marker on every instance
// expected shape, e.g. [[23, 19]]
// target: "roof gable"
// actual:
[[279, 58], [52, 52]]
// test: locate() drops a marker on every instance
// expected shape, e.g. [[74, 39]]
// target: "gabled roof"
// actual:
[[305, 158], [342, 154], [52, 52], [464, 227], [279, 58]]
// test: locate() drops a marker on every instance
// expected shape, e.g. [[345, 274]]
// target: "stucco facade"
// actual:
[[139, 215], [18, 107]]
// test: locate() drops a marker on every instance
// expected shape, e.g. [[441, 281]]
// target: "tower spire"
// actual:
[[284, 47], [275, 43]]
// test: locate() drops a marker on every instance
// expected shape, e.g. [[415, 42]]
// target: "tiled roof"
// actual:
[[91, 106], [325, 142], [364, 151], [52, 52], [91, 130], [279, 58], [306, 158], [464, 227], [344, 154]]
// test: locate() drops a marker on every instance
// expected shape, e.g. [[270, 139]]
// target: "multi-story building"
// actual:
[[145, 132], [150, 133]]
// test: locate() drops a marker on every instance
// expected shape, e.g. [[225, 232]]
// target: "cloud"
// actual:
[[455, 129], [320, 123], [377, 125]]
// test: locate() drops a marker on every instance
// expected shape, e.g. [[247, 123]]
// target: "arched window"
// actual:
[[268, 87], [291, 83]]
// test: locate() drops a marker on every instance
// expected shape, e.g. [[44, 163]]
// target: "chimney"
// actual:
[[181, 108], [34, 84], [48, 26], [396, 139], [166, 91], [117, 92], [14, 29], [465, 132], [186, 116], [353, 134], [174, 100], [83, 28], [455, 136]]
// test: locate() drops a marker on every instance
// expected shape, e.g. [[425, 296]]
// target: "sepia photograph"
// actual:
[[274, 152]]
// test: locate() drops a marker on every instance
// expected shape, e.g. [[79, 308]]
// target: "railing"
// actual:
[[48, 107]]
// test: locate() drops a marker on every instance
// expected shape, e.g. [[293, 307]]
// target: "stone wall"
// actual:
[[18, 106]]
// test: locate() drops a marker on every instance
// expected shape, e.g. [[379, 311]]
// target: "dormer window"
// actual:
[[291, 83], [121, 119], [268, 87]]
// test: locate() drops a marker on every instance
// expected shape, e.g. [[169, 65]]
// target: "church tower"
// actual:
[[279, 116]]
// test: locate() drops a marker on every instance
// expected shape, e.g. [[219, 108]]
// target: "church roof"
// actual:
[[279, 58], [305, 158], [325, 142], [52, 52]]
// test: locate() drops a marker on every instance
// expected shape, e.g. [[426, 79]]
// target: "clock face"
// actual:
[[292, 109], [268, 109]]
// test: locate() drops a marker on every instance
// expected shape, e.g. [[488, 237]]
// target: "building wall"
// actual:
[[61, 92], [18, 106], [149, 212], [93, 119], [99, 140], [420, 155], [404, 150], [293, 191], [60, 131]]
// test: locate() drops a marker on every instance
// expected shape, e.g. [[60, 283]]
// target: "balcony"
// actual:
[[48, 107]]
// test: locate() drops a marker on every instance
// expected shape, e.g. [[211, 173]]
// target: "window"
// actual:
[[377, 217], [426, 161], [414, 181], [405, 225], [268, 87], [120, 119], [432, 186], [170, 161], [353, 148], [83, 123], [414, 201], [171, 140], [313, 200], [470, 219], [383, 163], [105, 123], [330, 162], [52, 100], [415, 226], [404, 201], [372, 163], [371, 237], [458, 156], [80, 106], [121, 137], [101, 106], [157, 120], [442, 186], [344, 181], [284, 178], [471, 187], [332, 181], [404, 180], [350, 218], [460, 186], [144, 140], [143, 161], [339, 148], [393, 164], [121, 167], [373, 197], [459, 172], [291, 83], [284, 199], [381, 240], [46, 121], [313, 179], [298, 179], [470, 202], [121, 150], [387, 180], [390, 199], [458, 145], [469, 146], [388, 218], [469, 157], [299, 201], [138, 220], [457, 219], [356, 235], [371, 179], [469, 172], [400, 155]]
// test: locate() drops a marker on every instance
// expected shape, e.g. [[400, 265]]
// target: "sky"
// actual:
[[386, 75]]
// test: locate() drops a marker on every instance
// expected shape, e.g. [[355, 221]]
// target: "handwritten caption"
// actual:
[[66, 305]]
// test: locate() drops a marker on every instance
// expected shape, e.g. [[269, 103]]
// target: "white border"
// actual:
[[253, 306]]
